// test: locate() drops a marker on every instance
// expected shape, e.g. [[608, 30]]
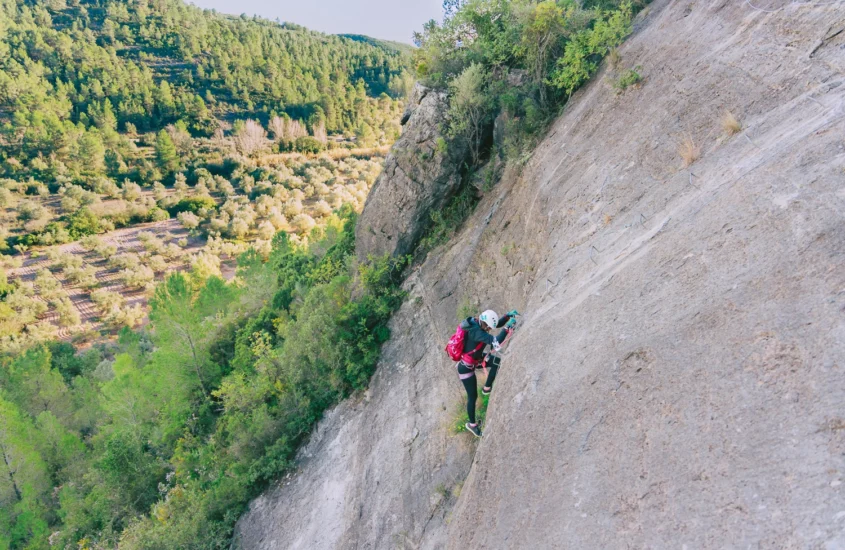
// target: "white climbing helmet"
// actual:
[[489, 318]]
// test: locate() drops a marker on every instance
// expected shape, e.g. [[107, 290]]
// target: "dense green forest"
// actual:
[[158, 440], [78, 78], [117, 113], [120, 113]]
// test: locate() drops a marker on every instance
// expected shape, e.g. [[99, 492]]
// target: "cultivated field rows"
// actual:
[[125, 240]]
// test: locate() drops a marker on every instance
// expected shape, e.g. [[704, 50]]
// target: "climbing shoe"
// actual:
[[486, 391], [474, 430]]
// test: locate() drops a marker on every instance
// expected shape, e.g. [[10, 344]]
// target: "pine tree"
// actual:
[[166, 155], [92, 153]]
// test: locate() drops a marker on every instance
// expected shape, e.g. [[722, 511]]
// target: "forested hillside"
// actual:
[[117, 117], [178, 191], [87, 87], [113, 63]]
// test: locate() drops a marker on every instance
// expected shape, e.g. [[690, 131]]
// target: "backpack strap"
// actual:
[[466, 356]]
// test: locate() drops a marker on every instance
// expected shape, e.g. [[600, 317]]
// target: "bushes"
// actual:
[[68, 314], [446, 222], [30, 210], [582, 54], [205, 265], [128, 316], [90, 243], [308, 144], [303, 223], [188, 219], [521, 59], [193, 205], [139, 277], [105, 250], [127, 260], [83, 276], [106, 300], [82, 223], [627, 79]]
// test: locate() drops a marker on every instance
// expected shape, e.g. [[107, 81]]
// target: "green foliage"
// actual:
[[130, 472], [24, 481], [522, 59], [460, 419], [307, 144], [192, 204], [446, 222], [582, 53], [628, 78], [470, 107], [81, 223], [70, 365], [160, 439], [166, 155], [467, 308], [5, 286]]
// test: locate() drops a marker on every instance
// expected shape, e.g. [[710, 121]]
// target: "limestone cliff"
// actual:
[[678, 380], [420, 174]]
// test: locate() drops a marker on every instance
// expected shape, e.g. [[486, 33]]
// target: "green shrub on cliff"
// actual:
[[532, 55]]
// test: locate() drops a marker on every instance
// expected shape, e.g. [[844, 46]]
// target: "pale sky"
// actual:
[[386, 19]]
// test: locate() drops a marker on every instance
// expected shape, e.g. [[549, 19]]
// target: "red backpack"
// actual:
[[455, 347]]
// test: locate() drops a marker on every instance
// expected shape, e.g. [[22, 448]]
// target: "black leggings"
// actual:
[[471, 385]]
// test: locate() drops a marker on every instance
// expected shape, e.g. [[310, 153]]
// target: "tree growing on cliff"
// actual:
[[470, 107]]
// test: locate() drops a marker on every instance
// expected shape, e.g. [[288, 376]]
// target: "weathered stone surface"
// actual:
[[678, 378], [517, 78], [419, 176]]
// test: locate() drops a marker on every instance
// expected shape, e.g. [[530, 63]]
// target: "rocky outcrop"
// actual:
[[420, 174], [678, 379]]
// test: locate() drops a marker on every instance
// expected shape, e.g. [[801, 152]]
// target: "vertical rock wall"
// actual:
[[420, 174], [678, 379]]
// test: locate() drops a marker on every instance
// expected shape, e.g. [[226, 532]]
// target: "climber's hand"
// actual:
[[511, 323], [513, 313]]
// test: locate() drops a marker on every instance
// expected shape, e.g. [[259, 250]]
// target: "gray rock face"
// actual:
[[419, 176], [678, 378]]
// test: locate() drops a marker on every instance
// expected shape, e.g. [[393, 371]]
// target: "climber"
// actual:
[[476, 336]]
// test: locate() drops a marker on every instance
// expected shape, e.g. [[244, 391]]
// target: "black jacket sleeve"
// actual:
[[489, 338], [504, 334]]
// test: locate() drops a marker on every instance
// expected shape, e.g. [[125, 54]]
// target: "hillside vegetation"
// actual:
[[178, 298], [116, 115], [102, 95], [518, 60], [159, 439]]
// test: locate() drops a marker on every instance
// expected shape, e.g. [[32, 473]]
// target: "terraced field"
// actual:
[[83, 290], [108, 277]]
